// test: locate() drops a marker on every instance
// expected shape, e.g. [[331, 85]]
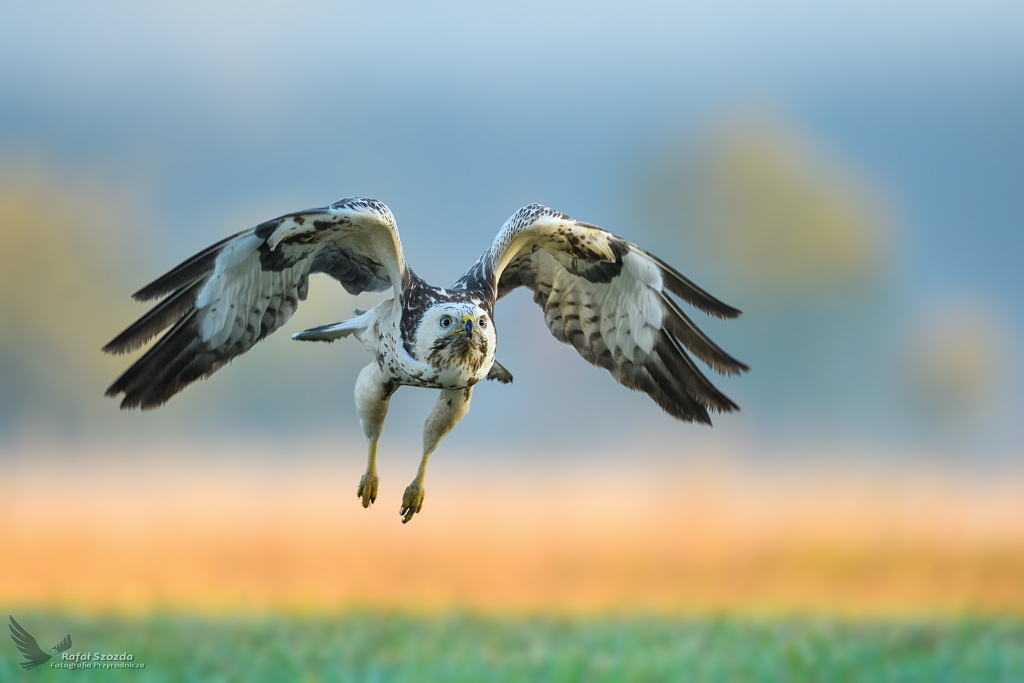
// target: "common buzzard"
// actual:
[[612, 301]]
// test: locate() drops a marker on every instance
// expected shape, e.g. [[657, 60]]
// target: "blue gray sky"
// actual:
[[186, 122]]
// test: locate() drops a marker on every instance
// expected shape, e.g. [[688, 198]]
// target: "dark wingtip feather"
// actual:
[[679, 325], [160, 317], [692, 382], [154, 363], [500, 373], [184, 273], [685, 289], [670, 393], [177, 360]]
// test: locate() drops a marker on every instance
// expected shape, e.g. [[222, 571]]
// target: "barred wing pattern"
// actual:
[[225, 299], [612, 302]]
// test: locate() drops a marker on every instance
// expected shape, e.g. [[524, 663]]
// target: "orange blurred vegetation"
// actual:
[[209, 532]]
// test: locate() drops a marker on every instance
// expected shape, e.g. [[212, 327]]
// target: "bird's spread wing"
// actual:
[[28, 646], [613, 302], [223, 300]]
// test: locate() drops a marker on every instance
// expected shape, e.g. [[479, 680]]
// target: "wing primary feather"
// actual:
[[674, 398], [149, 366], [185, 272], [159, 318], [679, 325], [682, 368], [189, 365], [685, 289]]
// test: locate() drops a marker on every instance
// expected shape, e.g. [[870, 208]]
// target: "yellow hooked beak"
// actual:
[[467, 327]]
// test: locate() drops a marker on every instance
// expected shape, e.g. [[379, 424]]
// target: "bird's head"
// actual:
[[455, 332]]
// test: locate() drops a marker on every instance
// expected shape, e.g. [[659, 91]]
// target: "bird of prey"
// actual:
[[34, 656], [608, 298]]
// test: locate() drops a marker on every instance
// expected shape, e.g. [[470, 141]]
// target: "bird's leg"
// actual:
[[369, 482], [452, 405], [373, 394]]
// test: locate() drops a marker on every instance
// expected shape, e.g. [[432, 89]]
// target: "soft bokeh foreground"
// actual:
[[390, 647], [191, 530]]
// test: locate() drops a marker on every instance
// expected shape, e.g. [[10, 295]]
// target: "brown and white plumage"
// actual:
[[612, 301], [226, 298]]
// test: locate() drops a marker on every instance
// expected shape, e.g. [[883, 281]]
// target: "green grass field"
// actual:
[[376, 647]]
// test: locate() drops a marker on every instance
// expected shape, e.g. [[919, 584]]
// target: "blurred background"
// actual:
[[851, 177]]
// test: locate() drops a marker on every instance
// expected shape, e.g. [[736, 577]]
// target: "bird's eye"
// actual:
[[446, 321], [482, 323]]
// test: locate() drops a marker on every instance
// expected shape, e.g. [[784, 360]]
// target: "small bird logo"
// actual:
[[34, 656]]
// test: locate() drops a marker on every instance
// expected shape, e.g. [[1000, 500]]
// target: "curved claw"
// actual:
[[412, 501], [368, 488]]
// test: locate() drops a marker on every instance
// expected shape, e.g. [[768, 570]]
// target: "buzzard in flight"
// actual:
[[608, 298]]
